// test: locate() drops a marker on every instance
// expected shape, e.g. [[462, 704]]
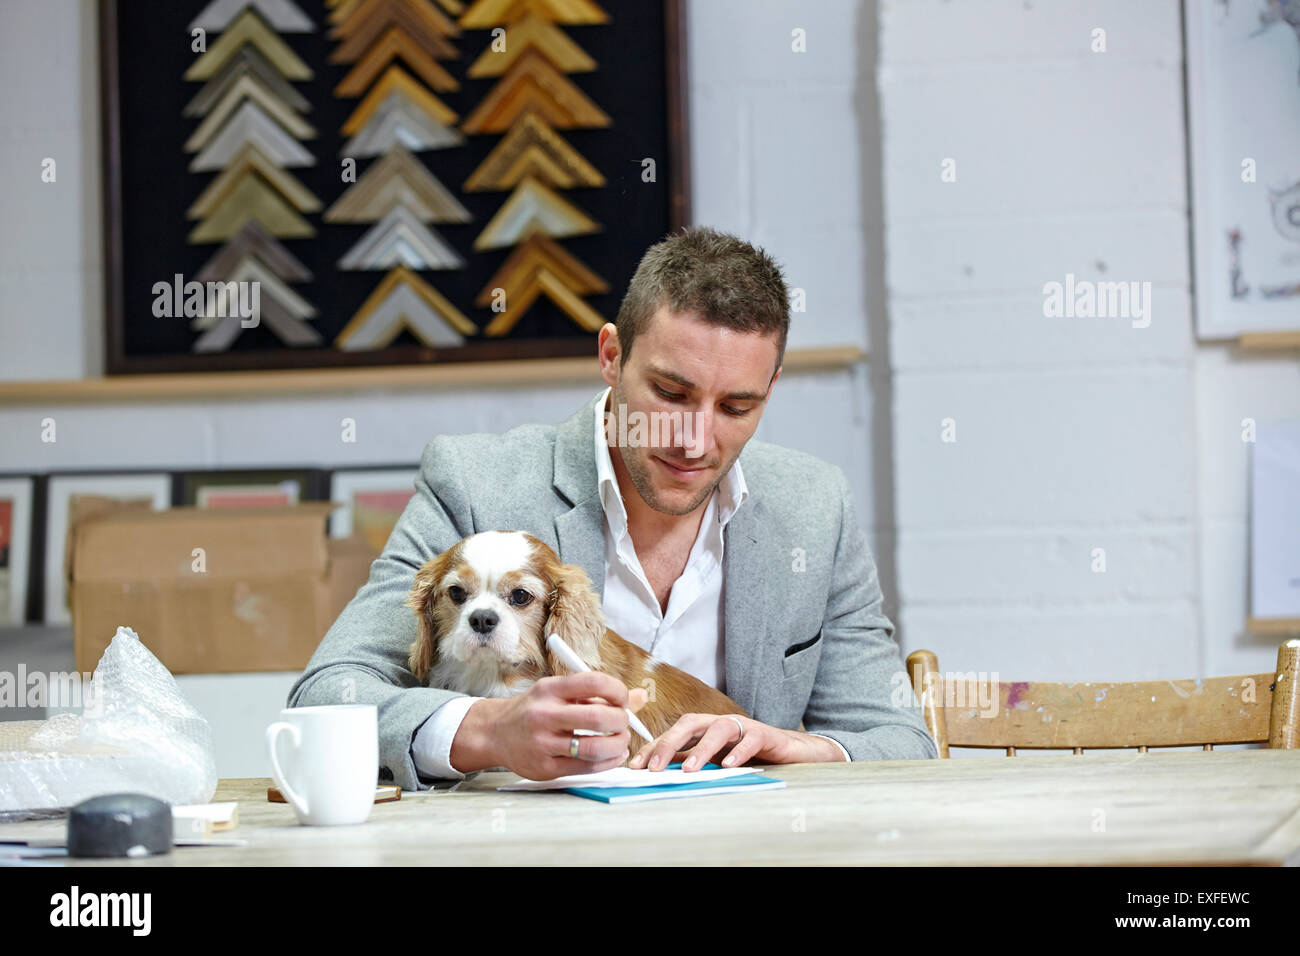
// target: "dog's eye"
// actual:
[[519, 597], [456, 593]]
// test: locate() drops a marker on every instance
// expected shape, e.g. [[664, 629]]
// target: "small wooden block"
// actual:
[[384, 793]]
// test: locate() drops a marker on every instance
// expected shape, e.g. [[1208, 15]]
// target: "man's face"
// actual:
[[700, 390]]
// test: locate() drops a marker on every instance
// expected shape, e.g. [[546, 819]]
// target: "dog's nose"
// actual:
[[483, 620]]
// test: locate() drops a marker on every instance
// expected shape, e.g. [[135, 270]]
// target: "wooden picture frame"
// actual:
[[123, 357]]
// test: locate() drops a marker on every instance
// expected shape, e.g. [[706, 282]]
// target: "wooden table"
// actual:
[[1101, 808]]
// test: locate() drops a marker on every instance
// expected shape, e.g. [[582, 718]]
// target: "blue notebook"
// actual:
[[744, 782]]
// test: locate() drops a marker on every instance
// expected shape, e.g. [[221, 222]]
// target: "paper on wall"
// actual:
[[1275, 521]]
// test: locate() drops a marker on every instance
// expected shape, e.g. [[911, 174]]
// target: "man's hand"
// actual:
[[708, 734], [530, 733]]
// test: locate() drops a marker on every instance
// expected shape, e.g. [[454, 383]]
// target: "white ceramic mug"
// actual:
[[330, 773]]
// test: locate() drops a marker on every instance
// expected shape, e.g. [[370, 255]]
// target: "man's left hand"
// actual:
[[707, 734]]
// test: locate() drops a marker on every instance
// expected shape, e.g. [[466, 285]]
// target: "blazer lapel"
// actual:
[[580, 533], [745, 628], [580, 530]]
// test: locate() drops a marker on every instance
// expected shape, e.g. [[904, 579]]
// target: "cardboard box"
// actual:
[[213, 591], [349, 568]]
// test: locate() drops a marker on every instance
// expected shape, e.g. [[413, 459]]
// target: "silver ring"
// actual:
[[738, 724], [573, 747]]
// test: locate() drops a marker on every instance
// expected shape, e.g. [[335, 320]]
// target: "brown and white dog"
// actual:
[[486, 606]]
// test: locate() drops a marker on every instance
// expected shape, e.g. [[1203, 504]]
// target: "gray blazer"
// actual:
[[805, 634]]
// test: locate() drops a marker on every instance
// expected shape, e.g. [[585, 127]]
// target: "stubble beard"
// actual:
[[638, 470]]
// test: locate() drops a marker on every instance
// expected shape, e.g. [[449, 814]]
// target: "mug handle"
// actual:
[[272, 733]]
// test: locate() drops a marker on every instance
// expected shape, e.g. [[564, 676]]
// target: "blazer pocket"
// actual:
[[800, 657]]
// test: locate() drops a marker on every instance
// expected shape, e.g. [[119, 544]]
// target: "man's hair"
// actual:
[[716, 276]]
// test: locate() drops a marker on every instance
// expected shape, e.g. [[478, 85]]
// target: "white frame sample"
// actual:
[[61, 488]]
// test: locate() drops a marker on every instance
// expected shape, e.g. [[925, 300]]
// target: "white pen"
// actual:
[[576, 664]]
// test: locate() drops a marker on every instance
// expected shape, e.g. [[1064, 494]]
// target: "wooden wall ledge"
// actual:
[[1273, 625], [1269, 340], [191, 385]]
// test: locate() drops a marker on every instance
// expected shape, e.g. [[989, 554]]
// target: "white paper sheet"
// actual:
[[1275, 521], [627, 777]]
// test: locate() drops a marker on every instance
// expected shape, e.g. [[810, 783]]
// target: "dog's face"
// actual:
[[485, 607]]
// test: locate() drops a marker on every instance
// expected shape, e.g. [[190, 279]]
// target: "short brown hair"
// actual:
[[723, 279]]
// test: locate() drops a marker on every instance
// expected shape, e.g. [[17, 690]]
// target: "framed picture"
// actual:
[[15, 548], [370, 502], [247, 488], [1275, 521], [1243, 92], [73, 497], [300, 184]]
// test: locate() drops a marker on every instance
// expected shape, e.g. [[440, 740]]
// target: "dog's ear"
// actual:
[[424, 652], [573, 612]]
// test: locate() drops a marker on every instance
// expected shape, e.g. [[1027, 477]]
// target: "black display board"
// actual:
[[145, 51]]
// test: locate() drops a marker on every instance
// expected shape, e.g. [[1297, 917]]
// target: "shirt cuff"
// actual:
[[847, 758], [431, 749]]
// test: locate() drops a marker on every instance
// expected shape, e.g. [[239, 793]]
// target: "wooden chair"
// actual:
[[962, 711]]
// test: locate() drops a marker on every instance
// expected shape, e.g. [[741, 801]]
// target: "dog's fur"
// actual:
[[516, 579]]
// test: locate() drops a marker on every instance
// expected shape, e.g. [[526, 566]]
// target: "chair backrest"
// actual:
[[962, 710]]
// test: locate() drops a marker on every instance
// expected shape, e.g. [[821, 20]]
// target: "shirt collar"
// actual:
[[731, 491]]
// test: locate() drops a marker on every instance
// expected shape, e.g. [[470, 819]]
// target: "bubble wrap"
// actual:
[[137, 734]]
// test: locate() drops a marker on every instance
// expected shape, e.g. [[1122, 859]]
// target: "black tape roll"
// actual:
[[119, 825]]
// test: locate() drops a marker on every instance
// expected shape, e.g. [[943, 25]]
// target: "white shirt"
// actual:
[[689, 633]]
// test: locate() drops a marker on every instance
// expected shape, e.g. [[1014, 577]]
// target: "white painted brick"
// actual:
[[805, 158], [1009, 257], [1010, 333], [828, 264], [270, 432], [990, 567], [1123, 643], [827, 414], [42, 322], [1039, 448], [1032, 140], [388, 428], [720, 151], [925, 32], [1225, 603], [103, 436], [749, 41], [40, 59], [43, 222]]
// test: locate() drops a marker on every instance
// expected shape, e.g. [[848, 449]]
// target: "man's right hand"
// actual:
[[530, 733]]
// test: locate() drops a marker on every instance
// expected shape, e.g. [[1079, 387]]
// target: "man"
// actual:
[[737, 561]]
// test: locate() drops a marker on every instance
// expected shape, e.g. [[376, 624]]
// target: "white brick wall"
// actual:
[[50, 239], [773, 136], [1072, 434], [775, 158]]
